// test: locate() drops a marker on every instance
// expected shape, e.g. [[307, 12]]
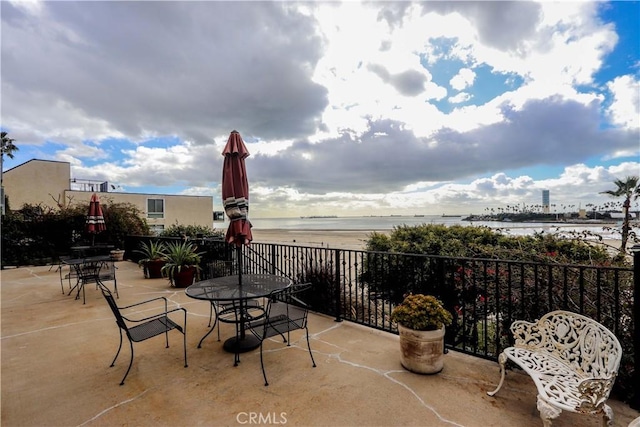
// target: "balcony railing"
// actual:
[[89, 185], [484, 295]]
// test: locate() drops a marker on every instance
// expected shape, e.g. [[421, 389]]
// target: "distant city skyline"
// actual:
[[347, 108]]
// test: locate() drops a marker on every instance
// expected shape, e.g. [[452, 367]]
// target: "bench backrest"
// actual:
[[584, 344]]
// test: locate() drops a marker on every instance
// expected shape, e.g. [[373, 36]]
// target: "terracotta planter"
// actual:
[[153, 269], [422, 352], [117, 255], [184, 278]]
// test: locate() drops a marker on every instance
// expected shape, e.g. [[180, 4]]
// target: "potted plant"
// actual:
[[154, 254], [421, 323], [182, 263]]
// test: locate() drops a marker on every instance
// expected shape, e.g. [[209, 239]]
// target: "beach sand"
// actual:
[[335, 239]]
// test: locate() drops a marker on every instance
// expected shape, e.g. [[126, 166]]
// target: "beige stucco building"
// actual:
[[50, 183]]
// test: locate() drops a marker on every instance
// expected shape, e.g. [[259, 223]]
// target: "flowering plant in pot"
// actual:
[[154, 258], [182, 263], [421, 323]]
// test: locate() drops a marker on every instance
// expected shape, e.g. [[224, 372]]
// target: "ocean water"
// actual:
[[386, 223]]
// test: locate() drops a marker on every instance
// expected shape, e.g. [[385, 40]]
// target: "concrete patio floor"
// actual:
[[56, 354]]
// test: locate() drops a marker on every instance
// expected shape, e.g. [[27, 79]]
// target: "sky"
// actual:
[[347, 108]]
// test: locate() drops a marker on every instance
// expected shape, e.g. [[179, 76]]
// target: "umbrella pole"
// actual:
[[242, 315], [239, 255]]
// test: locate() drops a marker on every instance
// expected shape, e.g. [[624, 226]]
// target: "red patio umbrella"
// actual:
[[235, 199], [95, 218], [235, 190]]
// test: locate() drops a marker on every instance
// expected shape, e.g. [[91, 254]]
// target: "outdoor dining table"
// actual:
[[76, 264], [237, 292]]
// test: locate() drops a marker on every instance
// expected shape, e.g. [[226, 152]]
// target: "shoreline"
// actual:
[[339, 238]]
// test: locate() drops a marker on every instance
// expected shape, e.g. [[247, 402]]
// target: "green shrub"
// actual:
[[37, 234], [421, 313], [192, 231]]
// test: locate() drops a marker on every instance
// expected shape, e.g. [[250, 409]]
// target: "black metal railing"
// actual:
[[484, 295]]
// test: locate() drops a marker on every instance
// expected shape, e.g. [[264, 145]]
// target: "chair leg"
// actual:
[[61, 280], [210, 330], [264, 373], [548, 413], [309, 347], [607, 416], [184, 345], [211, 310], [118, 352], [502, 359], [130, 363]]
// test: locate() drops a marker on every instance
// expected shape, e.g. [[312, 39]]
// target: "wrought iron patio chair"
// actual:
[[225, 310], [241, 314], [138, 330], [64, 276], [285, 312], [93, 272]]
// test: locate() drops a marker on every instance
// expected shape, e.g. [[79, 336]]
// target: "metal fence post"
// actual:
[[635, 400], [337, 286], [273, 259]]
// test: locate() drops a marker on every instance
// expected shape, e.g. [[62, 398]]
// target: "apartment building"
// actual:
[[50, 183]]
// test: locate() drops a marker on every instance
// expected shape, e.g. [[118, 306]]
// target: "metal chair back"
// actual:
[[285, 312], [146, 327]]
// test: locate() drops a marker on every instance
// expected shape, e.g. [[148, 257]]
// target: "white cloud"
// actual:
[[625, 107], [463, 79], [345, 107], [459, 98]]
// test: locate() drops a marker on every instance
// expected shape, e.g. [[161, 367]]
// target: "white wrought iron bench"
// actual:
[[573, 361]]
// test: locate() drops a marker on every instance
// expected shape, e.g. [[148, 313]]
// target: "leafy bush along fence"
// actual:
[[38, 235], [484, 295]]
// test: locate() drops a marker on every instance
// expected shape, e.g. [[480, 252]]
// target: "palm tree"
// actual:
[[8, 147], [629, 189]]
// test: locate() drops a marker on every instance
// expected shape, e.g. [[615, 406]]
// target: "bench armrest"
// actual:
[[594, 392]]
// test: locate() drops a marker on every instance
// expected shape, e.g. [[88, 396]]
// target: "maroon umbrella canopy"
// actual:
[[235, 190], [95, 218]]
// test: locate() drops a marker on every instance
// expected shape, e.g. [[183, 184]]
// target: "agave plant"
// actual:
[[179, 256], [152, 251]]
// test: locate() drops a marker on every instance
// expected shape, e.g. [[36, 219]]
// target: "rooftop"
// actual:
[[56, 354]]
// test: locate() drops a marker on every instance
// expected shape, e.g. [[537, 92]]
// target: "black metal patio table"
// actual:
[[237, 292], [76, 264]]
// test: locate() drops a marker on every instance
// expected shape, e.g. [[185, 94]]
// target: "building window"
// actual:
[[155, 208]]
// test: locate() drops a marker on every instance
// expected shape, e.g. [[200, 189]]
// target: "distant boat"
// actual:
[[418, 216], [450, 216], [319, 216]]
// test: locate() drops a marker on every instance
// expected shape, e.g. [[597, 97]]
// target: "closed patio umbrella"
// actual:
[[235, 194], [235, 199], [95, 218]]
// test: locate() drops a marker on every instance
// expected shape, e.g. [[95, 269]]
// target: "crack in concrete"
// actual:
[[383, 373], [104, 411]]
